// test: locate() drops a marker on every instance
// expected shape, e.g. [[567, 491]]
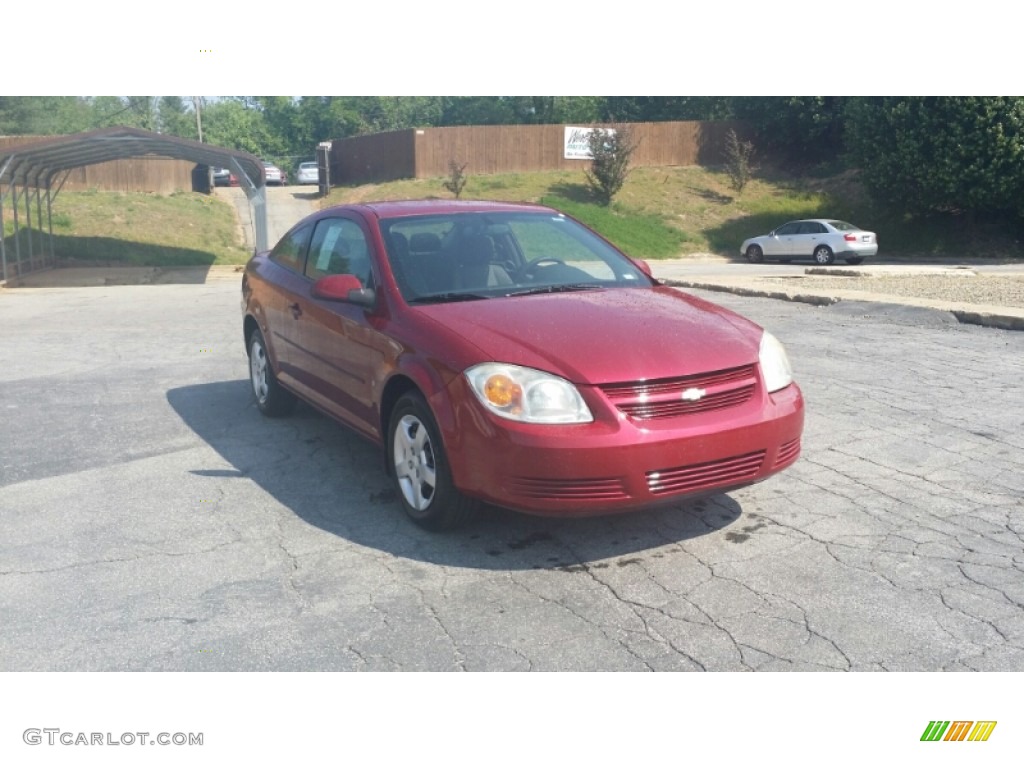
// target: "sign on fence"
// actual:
[[577, 142]]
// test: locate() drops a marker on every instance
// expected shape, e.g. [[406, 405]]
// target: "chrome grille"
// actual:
[[664, 398], [708, 474], [787, 452], [582, 489]]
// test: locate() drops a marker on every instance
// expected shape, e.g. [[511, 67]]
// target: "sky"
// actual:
[[538, 48]]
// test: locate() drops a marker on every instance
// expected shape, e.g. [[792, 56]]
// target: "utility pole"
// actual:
[[196, 102]]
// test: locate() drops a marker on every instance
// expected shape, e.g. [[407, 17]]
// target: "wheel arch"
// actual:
[[396, 386], [414, 374], [249, 325]]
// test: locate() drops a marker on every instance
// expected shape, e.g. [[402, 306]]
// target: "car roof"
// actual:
[[395, 208]]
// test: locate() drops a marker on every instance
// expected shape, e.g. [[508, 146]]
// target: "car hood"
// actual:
[[604, 336]]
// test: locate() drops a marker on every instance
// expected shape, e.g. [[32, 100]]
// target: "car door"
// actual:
[[342, 346], [810, 236], [281, 302], [781, 243]]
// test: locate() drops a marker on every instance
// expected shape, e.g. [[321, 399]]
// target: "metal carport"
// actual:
[[41, 168]]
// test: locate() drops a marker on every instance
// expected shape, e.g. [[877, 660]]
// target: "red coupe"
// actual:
[[506, 353]]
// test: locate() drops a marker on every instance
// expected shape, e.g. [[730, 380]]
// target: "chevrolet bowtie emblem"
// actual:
[[693, 394]]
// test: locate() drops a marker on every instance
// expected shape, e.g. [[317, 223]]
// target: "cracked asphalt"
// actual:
[[153, 520]]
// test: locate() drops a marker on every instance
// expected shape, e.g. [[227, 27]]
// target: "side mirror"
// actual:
[[644, 267], [345, 288]]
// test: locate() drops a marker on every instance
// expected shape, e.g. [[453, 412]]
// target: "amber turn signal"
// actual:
[[501, 391]]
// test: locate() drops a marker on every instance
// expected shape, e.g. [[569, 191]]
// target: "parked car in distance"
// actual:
[[273, 174], [506, 353], [221, 177], [823, 240], [308, 173]]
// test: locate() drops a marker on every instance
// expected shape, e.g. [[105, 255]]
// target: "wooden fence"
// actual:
[[135, 174], [426, 152]]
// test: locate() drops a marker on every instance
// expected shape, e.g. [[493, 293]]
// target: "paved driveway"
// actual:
[[154, 521], [285, 206]]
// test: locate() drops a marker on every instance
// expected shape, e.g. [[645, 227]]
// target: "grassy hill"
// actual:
[[659, 213], [669, 212], [138, 229]]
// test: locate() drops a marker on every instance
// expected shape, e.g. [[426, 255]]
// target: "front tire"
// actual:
[[420, 470], [823, 255], [755, 255], [271, 398]]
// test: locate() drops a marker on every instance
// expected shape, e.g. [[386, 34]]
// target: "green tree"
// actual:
[[924, 154], [652, 109], [796, 129], [279, 115], [237, 123], [175, 118], [44, 115], [477, 110]]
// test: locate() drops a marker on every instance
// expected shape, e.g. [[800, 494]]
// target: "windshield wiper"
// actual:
[[438, 298], [563, 288]]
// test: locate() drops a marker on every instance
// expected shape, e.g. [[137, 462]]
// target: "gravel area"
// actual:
[[998, 290]]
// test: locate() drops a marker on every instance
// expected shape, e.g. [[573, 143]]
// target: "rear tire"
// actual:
[[271, 398], [420, 470], [755, 255], [823, 255]]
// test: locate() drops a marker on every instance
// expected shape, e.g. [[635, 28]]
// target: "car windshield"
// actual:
[[844, 226], [439, 258]]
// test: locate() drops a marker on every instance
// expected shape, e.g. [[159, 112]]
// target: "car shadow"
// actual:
[[335, 480]]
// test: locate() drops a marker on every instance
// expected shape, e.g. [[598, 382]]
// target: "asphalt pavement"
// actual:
[[788, 282], [154, 520]]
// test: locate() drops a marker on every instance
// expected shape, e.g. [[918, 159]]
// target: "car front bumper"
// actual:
[[616, 463]]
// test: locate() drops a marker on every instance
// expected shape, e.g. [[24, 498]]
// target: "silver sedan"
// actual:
[[308, 173], [823, 240]]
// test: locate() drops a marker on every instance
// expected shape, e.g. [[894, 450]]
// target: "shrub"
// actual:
[[739, 161], [456, 178], [611, 150]]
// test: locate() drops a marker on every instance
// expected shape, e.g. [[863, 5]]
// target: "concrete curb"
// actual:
[[1004, 318], [80, 277]]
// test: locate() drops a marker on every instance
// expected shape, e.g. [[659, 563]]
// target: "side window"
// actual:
[[812, 228], [339, 247], [291, 251], [788, 229]]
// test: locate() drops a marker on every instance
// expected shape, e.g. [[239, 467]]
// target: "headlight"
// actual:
[[524, 394], [774, 364]]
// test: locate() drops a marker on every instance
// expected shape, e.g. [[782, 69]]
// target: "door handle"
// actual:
[[295, 309]]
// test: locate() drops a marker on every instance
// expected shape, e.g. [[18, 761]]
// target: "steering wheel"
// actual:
[[528, 269]]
